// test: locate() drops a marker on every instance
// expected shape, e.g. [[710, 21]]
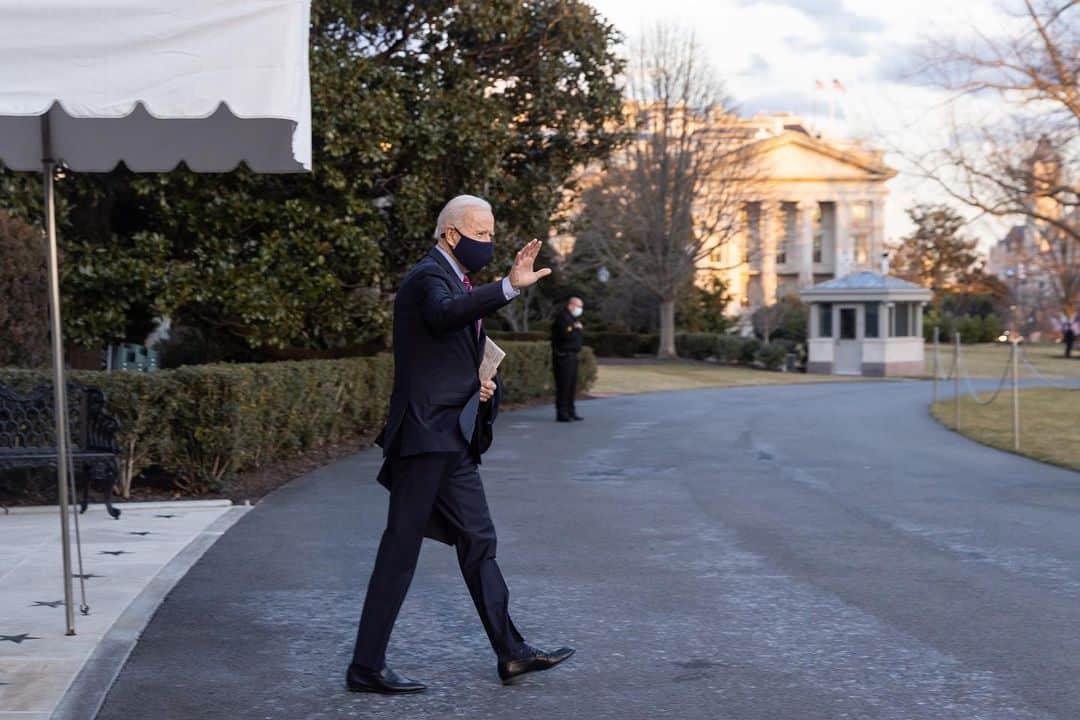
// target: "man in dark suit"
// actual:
[[566, 339], [439, 423]]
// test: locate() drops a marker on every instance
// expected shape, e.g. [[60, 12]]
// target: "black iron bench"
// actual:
[[28, 436]]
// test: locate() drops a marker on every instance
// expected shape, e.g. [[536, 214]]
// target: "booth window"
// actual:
[[902, 324], [825, 320], [871, 329]]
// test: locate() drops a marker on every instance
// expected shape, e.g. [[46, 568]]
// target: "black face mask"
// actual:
[[473, 254]]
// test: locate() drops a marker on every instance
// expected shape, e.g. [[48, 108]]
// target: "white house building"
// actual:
[[820, 214]]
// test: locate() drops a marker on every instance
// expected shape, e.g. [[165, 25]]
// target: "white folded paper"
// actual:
[[493, 355]]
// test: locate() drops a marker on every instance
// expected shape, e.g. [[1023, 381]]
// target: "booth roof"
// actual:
[[863, 286], [866, 281]]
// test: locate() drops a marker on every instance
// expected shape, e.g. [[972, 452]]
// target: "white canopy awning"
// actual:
[[150, 83], [154, 83]]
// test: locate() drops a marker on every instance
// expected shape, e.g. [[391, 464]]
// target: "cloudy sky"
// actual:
[[770, 52]]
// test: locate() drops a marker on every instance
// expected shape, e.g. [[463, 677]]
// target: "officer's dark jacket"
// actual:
[[564, 336], [435, 403]]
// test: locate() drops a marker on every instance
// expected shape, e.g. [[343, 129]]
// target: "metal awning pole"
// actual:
[[59, 386]]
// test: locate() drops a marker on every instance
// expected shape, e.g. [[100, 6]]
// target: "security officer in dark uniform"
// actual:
[[566, 338]]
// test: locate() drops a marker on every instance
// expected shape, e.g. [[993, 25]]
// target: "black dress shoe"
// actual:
[[510, 670], [577, 417], [384, 681], [562, 419]]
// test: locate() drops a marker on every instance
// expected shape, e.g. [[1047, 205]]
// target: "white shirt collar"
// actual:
[[453, 263]]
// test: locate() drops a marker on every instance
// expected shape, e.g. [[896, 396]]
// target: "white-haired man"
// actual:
[[439, 424]]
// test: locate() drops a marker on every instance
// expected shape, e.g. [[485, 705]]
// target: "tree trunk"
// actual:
[[667, 329]]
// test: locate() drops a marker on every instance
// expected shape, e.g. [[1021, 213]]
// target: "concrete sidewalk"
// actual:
[[130, 564]]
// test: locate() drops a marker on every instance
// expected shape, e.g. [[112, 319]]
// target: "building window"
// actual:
[[825, 320], [787, 238], [903, 326], [871, 310], [752, 223], [860, 211], [862, 248], [820, 222]]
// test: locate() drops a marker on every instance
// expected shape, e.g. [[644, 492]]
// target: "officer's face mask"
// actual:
[[576, 311], [473, 254]]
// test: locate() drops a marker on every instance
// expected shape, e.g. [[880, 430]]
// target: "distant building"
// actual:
[[1024, 260], [820, 214]]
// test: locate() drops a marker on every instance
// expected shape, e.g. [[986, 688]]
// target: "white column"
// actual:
[[877, 232], [845, 252], [771, 227], [804, 244]]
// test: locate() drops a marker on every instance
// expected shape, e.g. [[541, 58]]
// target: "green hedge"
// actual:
[[972, 328], [204, 423], [621, 344]]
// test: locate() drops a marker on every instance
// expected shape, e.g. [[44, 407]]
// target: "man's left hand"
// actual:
[[487, 390], [522, 274]]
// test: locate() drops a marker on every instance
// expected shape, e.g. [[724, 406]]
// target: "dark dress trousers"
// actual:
[[435, 433], [566, 340]]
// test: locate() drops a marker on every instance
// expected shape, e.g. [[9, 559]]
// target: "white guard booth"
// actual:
[[866, 323], [150, 83]]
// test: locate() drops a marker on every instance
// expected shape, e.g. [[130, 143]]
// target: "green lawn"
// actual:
[[988, 360], [1049, 423], [625, 377]]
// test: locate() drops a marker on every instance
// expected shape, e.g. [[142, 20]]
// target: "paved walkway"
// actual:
[[125, 560], [803, 552]]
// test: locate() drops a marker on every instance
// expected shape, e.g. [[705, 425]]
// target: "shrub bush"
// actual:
[[748, 350], [992, 328], [697, 346], [727, 348], [772, 355], [649, 344], [615, 344], [203, 424], [970, 328]]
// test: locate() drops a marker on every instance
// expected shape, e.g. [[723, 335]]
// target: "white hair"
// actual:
[[454, 212]]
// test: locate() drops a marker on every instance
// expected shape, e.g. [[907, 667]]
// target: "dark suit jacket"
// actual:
[[435, 403], [564, 336]]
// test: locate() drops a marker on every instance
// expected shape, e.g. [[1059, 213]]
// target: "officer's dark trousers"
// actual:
[[450, 483], [566, 371]]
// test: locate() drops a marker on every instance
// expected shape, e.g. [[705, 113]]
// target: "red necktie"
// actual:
[[468, 286]]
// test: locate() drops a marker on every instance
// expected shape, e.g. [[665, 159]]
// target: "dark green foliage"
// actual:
[[24, 295], [786, 319], [619, 344], [203, 424], [772, 355], [697, 346], [972, 328], [748, 350], [727, 348], [411, 104], [701, 309]]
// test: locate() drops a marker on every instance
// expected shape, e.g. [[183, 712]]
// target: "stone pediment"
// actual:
[[794, 156]]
